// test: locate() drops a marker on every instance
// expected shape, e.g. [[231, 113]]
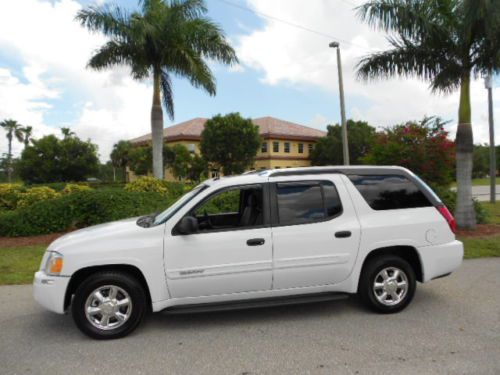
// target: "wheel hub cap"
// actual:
[[390, 286], [108, 307]]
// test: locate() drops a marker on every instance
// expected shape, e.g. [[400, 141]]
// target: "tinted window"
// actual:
[[389, 192], [300, 203]]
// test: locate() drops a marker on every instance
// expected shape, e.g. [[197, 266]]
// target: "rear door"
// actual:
[[315, 231]]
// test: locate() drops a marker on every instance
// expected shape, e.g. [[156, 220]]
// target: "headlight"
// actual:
[[54, 264]]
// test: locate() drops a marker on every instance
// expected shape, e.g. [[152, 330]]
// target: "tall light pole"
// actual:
[[345, 145], [488, 83]]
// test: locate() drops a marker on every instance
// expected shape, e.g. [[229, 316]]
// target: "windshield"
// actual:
[[165, 215]]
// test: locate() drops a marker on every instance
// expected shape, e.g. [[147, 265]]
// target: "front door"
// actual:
[[315, 232], [232, 250]]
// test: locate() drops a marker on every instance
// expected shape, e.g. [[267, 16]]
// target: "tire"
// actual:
[[382, 270], [108, 317]]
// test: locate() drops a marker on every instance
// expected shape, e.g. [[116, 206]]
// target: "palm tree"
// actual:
[[120, 156], [67, 132], [166, 38], [13, 130], [27, 134], [446, 42]]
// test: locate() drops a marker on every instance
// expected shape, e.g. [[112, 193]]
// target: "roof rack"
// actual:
[[304, 171]]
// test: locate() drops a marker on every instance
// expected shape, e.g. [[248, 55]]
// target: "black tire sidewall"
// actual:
[[371, 270], [122, 280]]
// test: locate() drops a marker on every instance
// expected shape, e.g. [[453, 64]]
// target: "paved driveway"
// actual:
[[452, 327]]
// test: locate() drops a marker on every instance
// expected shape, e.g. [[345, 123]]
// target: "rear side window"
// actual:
[[307, 202], [389, 192]]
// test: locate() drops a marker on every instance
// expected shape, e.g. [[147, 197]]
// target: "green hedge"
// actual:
[[79, 210]]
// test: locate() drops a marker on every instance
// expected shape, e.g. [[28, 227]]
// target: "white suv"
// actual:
[[259, 239]]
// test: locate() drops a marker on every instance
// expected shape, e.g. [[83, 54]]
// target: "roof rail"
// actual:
[[304, 172]]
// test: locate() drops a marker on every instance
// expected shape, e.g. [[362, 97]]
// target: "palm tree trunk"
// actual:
[[157, 128], [9, 158], [464, 213]]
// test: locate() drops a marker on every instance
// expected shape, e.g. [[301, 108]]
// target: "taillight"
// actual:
[[449, 217]]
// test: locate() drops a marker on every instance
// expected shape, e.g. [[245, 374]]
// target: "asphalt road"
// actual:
[[482, 193], [452, 327]]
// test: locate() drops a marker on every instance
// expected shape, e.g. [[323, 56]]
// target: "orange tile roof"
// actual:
[[269, 127]]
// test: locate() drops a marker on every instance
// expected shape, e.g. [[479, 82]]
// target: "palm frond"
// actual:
[[108, 19], [167, 94], [409, 18]]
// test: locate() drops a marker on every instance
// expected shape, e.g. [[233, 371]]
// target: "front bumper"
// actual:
[[440, 260], [49, 291]]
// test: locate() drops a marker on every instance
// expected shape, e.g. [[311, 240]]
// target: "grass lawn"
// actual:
[[18, 264], [493, 212], [481, 247]]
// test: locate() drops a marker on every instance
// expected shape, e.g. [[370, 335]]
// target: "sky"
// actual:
[[286, 70]]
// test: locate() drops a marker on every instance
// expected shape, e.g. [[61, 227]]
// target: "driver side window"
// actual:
[[240, 207]]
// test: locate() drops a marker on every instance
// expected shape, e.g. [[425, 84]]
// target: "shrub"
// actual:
[[9, 196], [79, 210], [449, 198], [36, 194], [147, 184], [74, 188], [422, 147]]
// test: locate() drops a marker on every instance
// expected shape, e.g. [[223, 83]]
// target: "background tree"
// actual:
[[13, 130], [328, 150], [186, 165], [27, 135], [120, 156], [67, 132], [230, 142], [446, 42], [50, 159], [140, 160], [481, 161], [164, 38], [423, 147]]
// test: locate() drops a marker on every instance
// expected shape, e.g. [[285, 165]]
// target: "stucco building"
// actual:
[[284, 144]]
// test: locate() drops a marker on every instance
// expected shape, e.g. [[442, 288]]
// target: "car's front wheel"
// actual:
[[108, 305], [387, 284]]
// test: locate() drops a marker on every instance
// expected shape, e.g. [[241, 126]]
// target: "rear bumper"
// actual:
[[49, 291], [440, 260]]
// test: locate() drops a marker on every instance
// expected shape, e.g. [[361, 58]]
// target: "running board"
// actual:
[[255, 303]]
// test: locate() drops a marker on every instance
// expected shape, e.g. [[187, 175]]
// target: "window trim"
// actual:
[[278, 144], [273, 200], [266, 222]]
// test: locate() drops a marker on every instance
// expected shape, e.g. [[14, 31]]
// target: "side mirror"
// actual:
[[187, 225]]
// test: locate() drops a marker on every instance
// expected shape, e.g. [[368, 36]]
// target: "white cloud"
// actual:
[[54, 50], [291, 55]]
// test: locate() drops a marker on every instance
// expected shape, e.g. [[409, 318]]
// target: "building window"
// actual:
[[264, 147], [215, 173], [287, 147], [276, 146], [191, 148], [301, 148], [310, 146], [277, 167]]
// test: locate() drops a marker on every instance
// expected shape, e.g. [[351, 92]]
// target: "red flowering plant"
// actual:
[[423, 147]]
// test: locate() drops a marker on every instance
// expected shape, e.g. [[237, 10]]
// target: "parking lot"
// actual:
[[452, 327]]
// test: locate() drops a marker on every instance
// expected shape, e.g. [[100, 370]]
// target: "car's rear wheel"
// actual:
[[387, 284], [108, 305]]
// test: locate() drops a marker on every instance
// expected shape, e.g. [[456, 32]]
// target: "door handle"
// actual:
[[256, 242], [343, 234]]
